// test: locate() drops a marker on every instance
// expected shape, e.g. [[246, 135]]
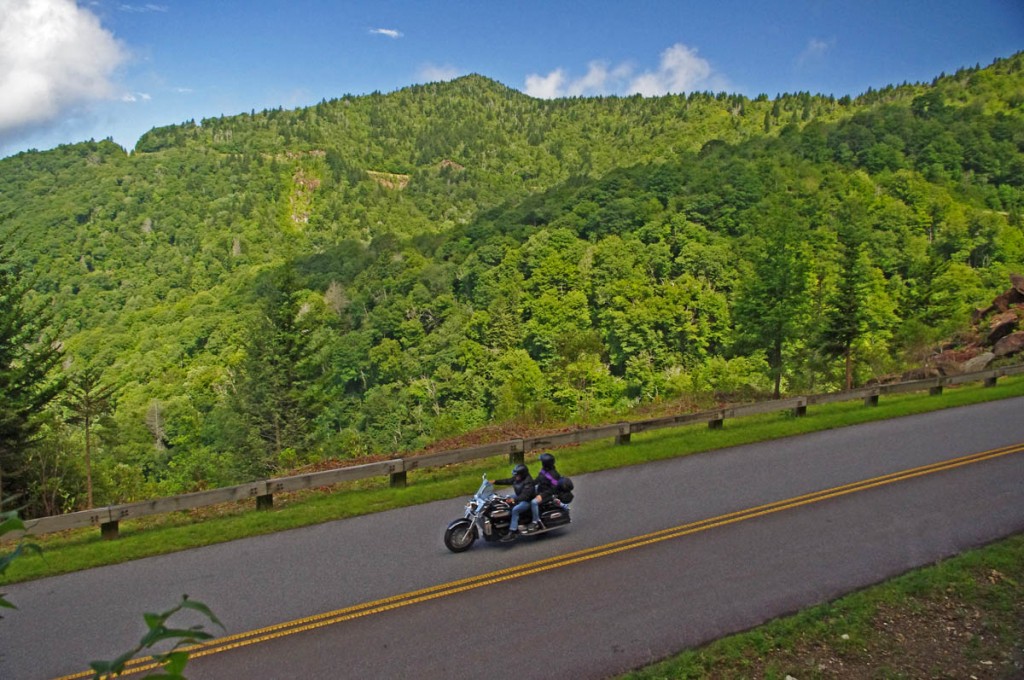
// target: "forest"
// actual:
[[244, 296]]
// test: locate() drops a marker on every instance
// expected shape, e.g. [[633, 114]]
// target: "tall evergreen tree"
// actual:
[[772, 302], [89, 399], [271, 382], [846, 319], [28, 381]]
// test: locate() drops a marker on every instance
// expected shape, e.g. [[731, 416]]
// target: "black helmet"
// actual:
[[547, 461], [519, 470]]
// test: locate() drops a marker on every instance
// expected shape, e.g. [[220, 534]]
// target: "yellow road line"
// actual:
[[445, 589]]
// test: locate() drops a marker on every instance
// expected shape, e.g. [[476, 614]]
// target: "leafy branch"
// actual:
[[174, 660], [9, 521]]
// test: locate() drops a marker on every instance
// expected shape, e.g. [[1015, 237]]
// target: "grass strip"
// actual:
[[83, 549]]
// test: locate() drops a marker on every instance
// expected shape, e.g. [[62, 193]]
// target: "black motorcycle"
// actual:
[[490, 515]]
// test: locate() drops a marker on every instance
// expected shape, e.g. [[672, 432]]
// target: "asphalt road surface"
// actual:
[[660, 557]]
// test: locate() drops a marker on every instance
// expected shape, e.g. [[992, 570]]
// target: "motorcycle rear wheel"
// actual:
[[460, 536]]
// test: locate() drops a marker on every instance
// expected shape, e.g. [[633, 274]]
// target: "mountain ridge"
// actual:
[[522, 258]]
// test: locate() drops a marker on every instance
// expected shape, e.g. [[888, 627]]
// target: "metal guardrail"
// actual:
[[107, 518]]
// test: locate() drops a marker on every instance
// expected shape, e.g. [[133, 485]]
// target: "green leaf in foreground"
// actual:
[[172, 661]]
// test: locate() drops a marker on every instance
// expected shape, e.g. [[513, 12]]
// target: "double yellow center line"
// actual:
[[443, 590]]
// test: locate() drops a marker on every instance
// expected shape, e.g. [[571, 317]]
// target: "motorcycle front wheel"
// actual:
[[459, 536]]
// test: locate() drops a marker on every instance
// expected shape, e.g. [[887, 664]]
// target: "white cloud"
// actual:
[[815, 52], [595, 80], [139, 9], [600, 79], [55, 57], [432, 73], [680, 70], [546, 87], [389, 32]]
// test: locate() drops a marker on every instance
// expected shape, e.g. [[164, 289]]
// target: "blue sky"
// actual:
[[71, 71]]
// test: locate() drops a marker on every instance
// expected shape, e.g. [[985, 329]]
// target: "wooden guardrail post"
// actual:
[[800, 410], [397, 474], [716, 421], [109, 530], [935, 391], [623, 436], [265, 500]]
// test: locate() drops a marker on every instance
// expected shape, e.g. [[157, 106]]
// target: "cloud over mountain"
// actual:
[[680, 69], [54, 57]]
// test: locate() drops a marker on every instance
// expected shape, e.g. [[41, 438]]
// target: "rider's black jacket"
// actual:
[[545, 487], [524, 487]]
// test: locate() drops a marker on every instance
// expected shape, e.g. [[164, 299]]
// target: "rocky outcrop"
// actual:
[[1009, 345], [998, 332], [978, 363], [1002, 325], [389, 180], [1014, 297]]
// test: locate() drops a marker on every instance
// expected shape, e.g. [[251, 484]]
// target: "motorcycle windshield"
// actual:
[[486, 490]]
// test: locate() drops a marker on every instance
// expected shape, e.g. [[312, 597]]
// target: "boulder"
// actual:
[[1002, 325], [1014, 296], [1003, 302], [922, 373], [951, 361], [1009, 345], [978, 363]]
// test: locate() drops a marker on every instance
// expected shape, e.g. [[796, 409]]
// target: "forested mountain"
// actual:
[[373, 273]]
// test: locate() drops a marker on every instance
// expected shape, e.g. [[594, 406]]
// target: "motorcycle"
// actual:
[[489, 514]]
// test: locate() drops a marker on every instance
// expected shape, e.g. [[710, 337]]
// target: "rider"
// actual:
[[522, 484], [547, 485]]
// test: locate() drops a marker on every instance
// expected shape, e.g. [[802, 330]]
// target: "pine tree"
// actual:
[[270, 383], [88, 399], [773, 302], [846, 320], [28, 357]]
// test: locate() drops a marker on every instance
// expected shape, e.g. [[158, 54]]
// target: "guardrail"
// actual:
[[107, 518]]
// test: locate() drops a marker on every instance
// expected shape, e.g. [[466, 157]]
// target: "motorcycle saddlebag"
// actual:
[[554, 518]]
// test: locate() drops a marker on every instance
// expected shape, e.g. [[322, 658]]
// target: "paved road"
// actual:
[[721, 549]]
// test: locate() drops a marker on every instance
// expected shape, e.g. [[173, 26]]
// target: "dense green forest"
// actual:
[[254, 293]]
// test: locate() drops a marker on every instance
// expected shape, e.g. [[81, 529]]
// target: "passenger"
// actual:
[[522, 484], [547, 487]]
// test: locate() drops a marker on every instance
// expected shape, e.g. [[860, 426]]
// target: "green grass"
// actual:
[[83, 549]]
